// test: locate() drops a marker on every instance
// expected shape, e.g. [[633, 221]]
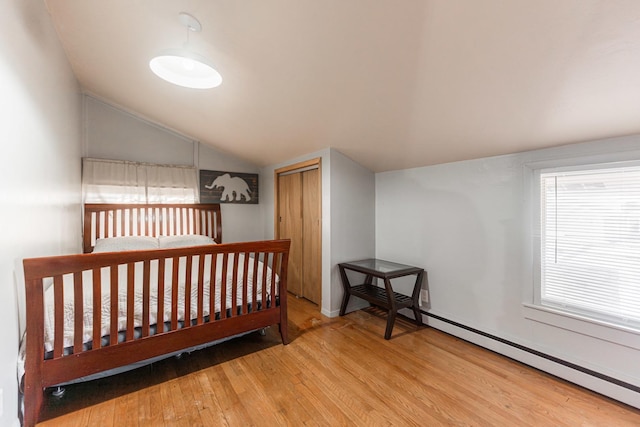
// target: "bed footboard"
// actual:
[[95, 312]]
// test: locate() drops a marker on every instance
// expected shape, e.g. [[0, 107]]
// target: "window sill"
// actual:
[[617, 334]]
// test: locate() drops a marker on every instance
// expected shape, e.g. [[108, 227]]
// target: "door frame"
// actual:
[[315, 163]]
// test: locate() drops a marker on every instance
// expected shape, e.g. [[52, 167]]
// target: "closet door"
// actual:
[[299, 218], [311, 220], [290, 226]]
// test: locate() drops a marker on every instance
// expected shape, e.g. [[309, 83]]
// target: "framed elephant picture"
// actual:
[[228, 187]]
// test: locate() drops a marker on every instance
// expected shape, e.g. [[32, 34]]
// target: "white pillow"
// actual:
[[128, 243], [184, 241]]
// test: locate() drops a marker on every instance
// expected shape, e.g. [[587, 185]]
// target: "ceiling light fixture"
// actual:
[[184, 68]]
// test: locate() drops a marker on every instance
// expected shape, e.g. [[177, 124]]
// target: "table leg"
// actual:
[[347, 291], [345, 301], [393, 310], [418, 316], [391, 318], [416, 299]]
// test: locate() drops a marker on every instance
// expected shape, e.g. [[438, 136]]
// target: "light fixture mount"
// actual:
[[183, 67], [190, 22]]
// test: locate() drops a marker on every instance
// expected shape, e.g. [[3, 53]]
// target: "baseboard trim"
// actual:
[[537, 353], [354, 305]]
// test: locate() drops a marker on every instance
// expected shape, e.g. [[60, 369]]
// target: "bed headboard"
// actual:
[[115, 220]]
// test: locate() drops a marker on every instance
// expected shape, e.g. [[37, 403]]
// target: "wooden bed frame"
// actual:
[[112, 220], [46, 369]]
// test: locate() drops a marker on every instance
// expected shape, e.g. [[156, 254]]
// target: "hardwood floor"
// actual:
[[336, 372]]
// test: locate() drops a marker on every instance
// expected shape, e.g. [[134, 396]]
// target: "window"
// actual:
[[114, 181], [590, 242]]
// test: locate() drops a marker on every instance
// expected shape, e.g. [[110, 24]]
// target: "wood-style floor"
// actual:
[[336, 372]]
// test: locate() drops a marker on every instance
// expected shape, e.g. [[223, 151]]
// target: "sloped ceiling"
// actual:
[[391, 84]]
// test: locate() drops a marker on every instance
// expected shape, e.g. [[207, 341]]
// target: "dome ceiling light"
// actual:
[[184, 68]]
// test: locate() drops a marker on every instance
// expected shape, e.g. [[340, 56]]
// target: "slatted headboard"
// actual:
[[115, 220]]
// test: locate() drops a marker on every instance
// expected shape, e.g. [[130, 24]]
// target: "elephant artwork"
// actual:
[[234, 188], [229, 187]]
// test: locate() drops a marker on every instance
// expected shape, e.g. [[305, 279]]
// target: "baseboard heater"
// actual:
[[579, 368]]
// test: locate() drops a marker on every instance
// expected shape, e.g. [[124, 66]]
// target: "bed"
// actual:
[[154, 280]]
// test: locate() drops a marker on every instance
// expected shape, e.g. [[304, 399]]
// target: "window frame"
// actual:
[[533, 309]]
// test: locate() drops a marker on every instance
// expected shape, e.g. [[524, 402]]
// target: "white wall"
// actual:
[[40, 210], [348, 192], [352, 222], [469, 224], [113, 133]]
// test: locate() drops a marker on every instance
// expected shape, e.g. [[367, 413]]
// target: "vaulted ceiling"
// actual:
[[391, 84]]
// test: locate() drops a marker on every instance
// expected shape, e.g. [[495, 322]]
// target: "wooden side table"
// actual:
[[378, 296]]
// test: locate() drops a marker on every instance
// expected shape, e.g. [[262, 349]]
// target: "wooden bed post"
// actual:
[[283, 325], [32, 400], [33, 390]]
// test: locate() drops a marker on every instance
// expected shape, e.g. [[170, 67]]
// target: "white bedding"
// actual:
[[138, 295]]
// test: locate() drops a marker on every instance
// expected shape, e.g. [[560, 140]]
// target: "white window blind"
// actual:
[[590, 243], [115, 181]]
